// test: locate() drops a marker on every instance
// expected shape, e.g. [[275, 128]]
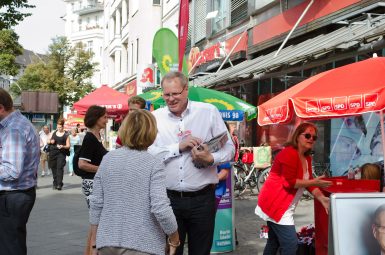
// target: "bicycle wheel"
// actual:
[[262, 178], [239, 179]]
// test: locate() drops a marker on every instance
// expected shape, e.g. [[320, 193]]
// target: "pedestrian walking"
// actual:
[[91, 153], [19, 162], [44, 137], [74, 140], [59, 148], [290, 174], [182, 126], [129, 207]]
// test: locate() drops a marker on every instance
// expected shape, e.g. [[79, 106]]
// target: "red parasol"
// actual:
[[348, 90], [114, 101]]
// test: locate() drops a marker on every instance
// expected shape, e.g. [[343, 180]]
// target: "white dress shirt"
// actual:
[[200, 120]]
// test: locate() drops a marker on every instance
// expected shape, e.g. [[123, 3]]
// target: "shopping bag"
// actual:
[[262, 156]]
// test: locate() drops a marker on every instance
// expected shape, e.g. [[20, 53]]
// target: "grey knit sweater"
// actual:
[[129, 202]]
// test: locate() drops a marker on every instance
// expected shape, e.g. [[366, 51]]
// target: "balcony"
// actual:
[[91, 8]]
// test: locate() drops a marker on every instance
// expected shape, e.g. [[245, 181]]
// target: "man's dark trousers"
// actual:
[[195, 217], [15, 208]]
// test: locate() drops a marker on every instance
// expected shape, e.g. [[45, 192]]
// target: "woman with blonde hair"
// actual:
[[130, 212]]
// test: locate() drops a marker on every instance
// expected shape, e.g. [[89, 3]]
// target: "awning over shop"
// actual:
[[358, 34]]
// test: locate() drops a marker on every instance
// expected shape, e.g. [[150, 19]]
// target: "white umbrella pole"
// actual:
[[383, 136]]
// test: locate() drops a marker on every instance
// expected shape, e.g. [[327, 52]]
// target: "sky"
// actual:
[[36, 31]]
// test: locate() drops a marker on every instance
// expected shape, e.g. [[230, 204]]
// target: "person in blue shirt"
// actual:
[[19, 162]]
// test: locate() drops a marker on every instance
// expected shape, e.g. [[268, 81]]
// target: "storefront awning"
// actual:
[[355, 35]]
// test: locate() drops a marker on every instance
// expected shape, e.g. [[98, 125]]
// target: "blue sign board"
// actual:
[[232, 115]]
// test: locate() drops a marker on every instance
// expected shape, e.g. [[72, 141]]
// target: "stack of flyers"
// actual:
[[214, 144]]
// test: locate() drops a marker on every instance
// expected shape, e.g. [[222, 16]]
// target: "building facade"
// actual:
[[84, 23], [129, 30]]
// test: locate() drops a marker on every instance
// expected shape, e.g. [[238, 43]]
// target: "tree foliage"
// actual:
[[10, 14], [9, 49], [67, 70]]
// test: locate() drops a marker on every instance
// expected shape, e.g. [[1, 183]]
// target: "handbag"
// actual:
[[262, 156], [75, 162], [46, 148]]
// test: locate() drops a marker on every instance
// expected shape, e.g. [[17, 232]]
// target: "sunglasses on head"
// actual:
[[308, 136]]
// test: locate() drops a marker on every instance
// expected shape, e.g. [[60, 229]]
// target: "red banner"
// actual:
[[182, 30]]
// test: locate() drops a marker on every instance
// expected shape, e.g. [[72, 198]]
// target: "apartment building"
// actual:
[[84, 23], [130, 26]]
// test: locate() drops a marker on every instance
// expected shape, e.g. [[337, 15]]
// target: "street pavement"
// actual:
[[58, 223]]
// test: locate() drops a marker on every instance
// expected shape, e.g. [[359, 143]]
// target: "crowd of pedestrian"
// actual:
[[160, 188]]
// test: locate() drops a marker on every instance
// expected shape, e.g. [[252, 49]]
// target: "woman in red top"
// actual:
[[290, 174]]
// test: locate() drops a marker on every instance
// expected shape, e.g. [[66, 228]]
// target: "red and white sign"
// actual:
[[198, 57], [145, 76]]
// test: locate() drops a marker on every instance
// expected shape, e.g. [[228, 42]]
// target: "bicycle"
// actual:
[[246, 175]]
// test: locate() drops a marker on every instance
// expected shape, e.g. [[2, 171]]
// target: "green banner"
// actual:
[[165, 51]]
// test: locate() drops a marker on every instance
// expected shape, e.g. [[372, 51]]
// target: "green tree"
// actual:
[[67, 70], [10, 14], [9, 49]]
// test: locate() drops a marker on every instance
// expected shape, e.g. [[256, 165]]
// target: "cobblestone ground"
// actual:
[[58, 223]]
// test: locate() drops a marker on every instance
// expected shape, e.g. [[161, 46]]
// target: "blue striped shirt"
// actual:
[[19, 153]]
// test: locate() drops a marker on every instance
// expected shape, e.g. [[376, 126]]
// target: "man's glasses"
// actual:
[[308, 136], [174, 95], [380, 228]]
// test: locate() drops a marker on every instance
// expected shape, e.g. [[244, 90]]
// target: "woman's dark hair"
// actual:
[[60, 122], [298, 131], [93, 114]]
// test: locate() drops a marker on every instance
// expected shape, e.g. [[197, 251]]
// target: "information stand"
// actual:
[[321, 218]]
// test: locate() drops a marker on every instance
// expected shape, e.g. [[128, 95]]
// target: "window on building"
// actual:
[[190, 26], [72, 6], [219, 21], [97, 21], [238, 11], [156, 2], [80, 25], [90, 46], [88, 22], [132, 58], [200, 20]]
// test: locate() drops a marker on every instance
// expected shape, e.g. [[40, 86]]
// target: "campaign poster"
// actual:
[[355, 141], [224, 222], [357, 224]]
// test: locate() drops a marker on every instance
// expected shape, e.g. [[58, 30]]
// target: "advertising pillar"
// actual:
[[224, 240]]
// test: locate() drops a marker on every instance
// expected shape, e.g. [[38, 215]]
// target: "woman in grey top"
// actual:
[[129, 208]]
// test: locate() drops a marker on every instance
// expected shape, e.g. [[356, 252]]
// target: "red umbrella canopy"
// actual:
[[114, 101], [348, 90]]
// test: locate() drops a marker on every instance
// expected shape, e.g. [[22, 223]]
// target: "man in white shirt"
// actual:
[[44, 136], [183, 126]]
